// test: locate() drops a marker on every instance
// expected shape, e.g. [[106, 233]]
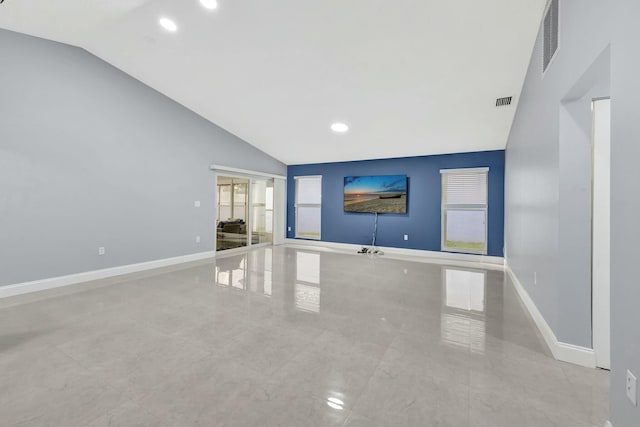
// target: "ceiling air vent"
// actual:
[[503, 102], [551, 27]]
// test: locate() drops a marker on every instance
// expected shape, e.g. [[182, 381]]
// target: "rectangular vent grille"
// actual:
[[551, 27], [502, 102]]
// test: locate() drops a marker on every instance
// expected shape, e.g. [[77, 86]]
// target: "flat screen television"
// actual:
[[383, 194]]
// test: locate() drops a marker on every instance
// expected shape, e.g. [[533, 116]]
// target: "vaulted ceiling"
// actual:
[[409, 77]]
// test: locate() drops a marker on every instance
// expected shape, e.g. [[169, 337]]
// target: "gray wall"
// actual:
[[91, 157], [548, 172], [547, 224], [625, 206]]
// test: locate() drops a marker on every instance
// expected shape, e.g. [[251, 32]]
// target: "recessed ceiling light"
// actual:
[[168, 24], [339, 127], [210, 4]]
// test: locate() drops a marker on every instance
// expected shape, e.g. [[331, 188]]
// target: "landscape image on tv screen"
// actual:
[[376, 194]]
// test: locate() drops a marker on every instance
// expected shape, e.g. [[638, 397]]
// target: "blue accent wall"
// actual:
[[423, 219]]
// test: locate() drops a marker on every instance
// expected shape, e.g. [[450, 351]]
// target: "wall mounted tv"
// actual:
[[383, 194]]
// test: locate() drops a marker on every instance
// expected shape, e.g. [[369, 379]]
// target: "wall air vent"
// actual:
[[550, 33], [503, 102]]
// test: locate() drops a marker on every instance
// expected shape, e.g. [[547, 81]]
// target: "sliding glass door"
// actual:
[[233, 212], [262, 211], [245, 212]]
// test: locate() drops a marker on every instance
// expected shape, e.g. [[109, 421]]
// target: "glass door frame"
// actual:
[[232, 204], [251, 177]]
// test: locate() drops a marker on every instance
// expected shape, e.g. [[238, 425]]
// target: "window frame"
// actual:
[[445, 207], [307, 205]]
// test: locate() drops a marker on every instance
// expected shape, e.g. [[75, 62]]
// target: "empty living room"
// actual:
[[319, 213]]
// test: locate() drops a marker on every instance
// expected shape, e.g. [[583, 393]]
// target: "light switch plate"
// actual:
[[196, 203], [632, 391], [406, 237]]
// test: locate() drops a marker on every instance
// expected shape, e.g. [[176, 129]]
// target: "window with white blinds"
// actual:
[[464, 210], [308, 206]]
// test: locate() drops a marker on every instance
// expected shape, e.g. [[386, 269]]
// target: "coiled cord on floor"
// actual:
[[375, 230]]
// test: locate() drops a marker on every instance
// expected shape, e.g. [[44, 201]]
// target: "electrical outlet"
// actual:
[[632, 391], [196, 203], [288, 228], [197, 239], [406, 237], [535, 277], [102, 250]]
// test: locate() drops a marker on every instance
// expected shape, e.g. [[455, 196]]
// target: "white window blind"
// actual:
[[465, 188], [309, 190]]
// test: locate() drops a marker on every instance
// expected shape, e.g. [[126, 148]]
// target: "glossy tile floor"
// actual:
[[288, 337]]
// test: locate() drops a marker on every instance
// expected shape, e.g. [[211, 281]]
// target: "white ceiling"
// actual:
[[410, 77]]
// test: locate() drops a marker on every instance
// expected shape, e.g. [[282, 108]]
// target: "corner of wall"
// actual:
[[561, 351]]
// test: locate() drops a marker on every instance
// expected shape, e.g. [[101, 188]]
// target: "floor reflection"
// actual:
[[302, 337], [464, 289], [250, 271], [307, 298], [335, 403], [307, 287], [232, 272], [463, 314], [254, 271], [308, 267]]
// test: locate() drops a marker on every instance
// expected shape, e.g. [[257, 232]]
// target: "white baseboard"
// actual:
[[561, 351], [72, 279], [449, 258]]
